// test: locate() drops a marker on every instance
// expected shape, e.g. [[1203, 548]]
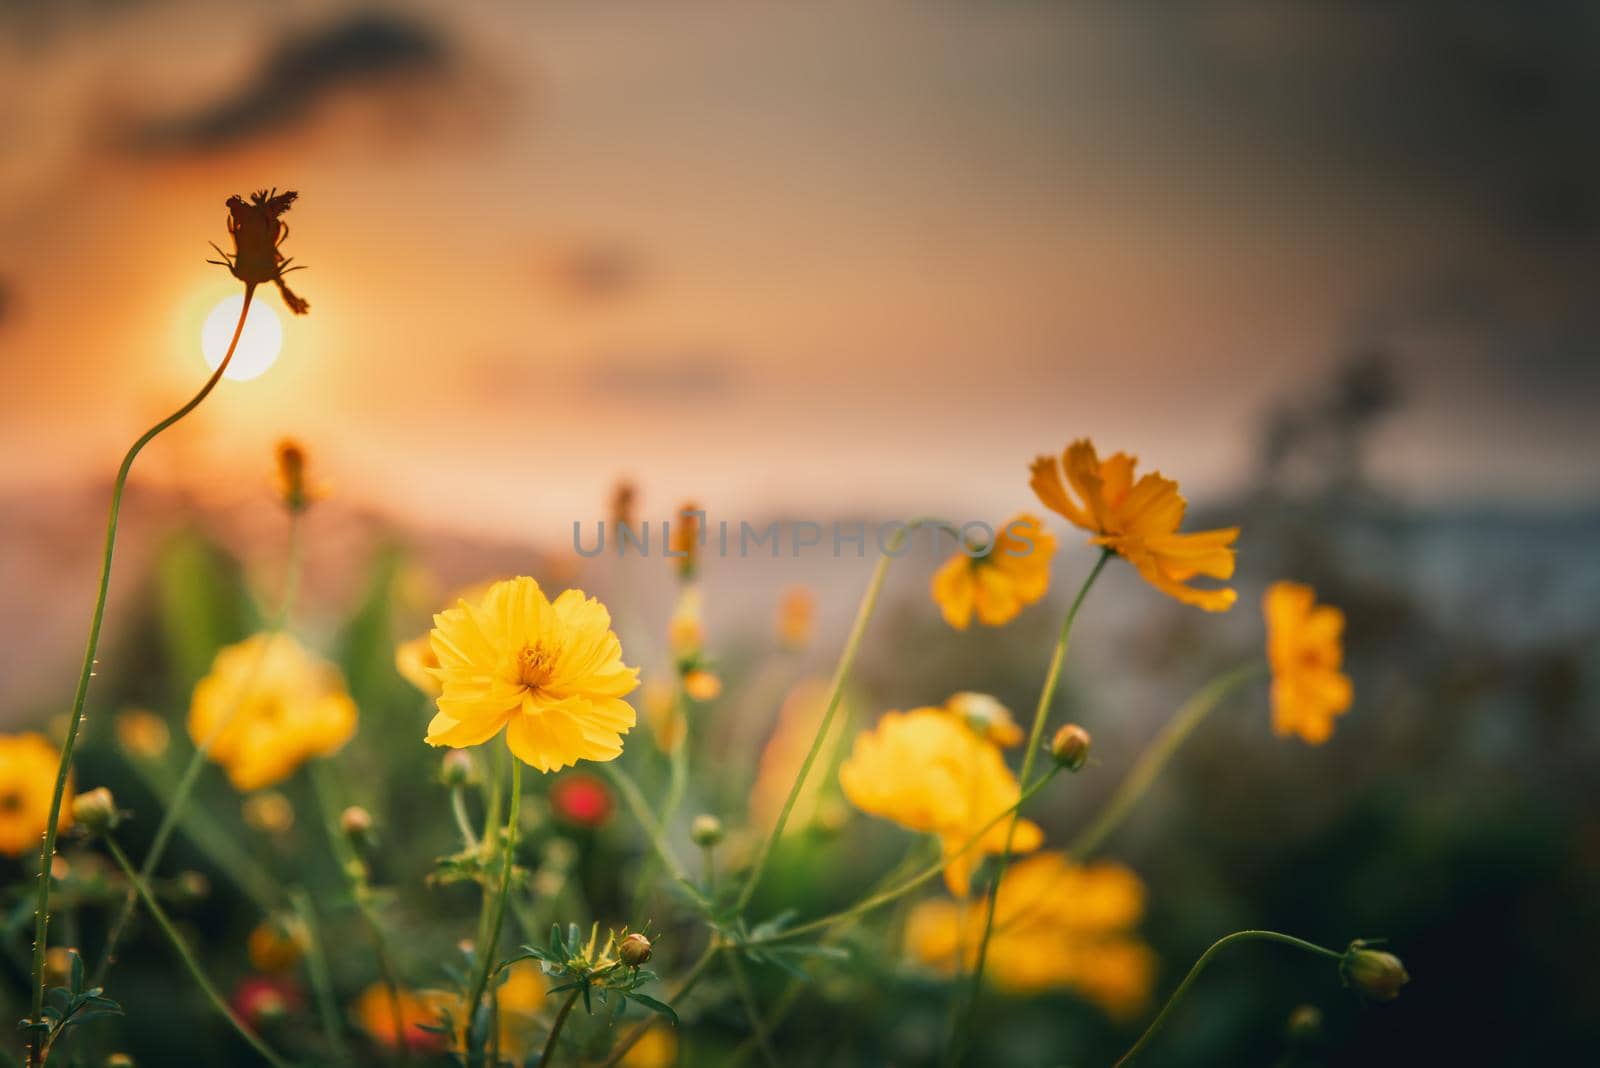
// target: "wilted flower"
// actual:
[[1056, 925], [581, 799], [1139, 521], [28, 764], [142, 734], [927, 771], [267, 706], [277, 943], [998, 580], [1305, 650], [550, 673], [257, 232], [797, 617], [986, 715]]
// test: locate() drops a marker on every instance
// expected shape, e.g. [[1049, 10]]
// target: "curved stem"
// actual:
[[497, 917], [555, 1028], [841, 674], [1200, 965], [47, 851], [216, 999], [1155, 757], [178, 798], [696, 972], [1041, 713]]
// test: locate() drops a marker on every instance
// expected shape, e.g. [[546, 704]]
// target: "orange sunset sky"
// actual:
[[807, 257]]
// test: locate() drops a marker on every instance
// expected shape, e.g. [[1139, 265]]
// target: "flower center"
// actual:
[[11, 803], [535, 664]]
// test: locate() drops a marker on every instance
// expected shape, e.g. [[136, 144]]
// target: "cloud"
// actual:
[[299, 72]]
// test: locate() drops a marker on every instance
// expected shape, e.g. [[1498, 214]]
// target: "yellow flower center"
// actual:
[[535, 664]]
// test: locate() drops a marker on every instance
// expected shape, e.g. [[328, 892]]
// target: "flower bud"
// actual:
[[634, 950], [457, 768], [356, 823], [1372, 972], [96, 810], [685, 539], [702, 685], [1304, 1024], [291, 481], [706, 830], [1070, 747]]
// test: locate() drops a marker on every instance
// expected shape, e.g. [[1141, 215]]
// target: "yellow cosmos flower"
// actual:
[[1305, 650], [520, 1000], [656, 1048], [268, 706], [1056, 925], [416, 663], [686, 631], [549, 672], [987, 716], [28, 764], [927, 771], [1139, 521], [1012, 573]]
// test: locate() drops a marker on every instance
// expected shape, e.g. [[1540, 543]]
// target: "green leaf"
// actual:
[[656, 1006]]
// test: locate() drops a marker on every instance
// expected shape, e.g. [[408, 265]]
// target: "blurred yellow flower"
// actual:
[[928, 771], [416, 663], [268, 706], [798, 719], [1009, 574], [1305, 649], [987, 716], [656, 1048], [28, 765], [662, 713], [1056, 924], [520, 1000], [419, 1009], [702, 685], [797, 617], [277, 944], [550, 673], [685, 631], [268, 811], [142, 734], [1139, 521]]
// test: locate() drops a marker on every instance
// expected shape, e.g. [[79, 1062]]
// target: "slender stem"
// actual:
[[1200, 965], [1155, 757], [178, 798], [47, 851], [841, 675], [507, 861], [927, 874], [458, 806], [696, 972], [640, 808], [321, 979], [210, 991], [1035, 737], [677, 785], [752, 1011], [545, 1057]]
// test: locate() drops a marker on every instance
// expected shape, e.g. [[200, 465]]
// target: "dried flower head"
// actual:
[[257, 233], [293, 488]]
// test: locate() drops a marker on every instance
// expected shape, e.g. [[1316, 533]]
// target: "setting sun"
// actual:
[[258, 345]]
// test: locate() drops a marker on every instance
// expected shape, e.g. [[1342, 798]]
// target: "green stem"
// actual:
[[752, 1011], [1200, 965], [640, 808], [1155, 757], [507, 861], [1041, 713], [549, 1052], [696, 972], [321, 979], [47, 851], [177, 799], [841, 675], [927, 874], [458, 806], [216, 999]]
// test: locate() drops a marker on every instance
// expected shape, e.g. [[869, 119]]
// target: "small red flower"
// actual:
[[581, 799], [261, 999]]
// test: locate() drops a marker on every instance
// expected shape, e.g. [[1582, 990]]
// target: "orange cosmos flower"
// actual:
[[1138, 520], [1006, 576], [1305, 651]]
